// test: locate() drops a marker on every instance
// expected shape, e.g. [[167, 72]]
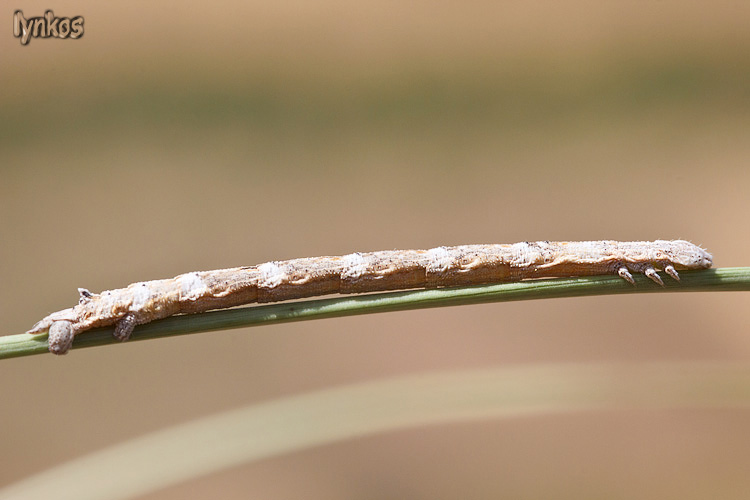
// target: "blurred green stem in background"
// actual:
[[194, 449], [726, 279]]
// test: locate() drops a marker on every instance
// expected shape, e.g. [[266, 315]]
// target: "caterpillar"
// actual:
[[197, 292]]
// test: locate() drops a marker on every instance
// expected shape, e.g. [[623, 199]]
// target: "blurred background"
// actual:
[[179, 136]]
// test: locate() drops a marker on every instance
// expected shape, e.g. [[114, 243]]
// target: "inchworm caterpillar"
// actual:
[[364, 272]]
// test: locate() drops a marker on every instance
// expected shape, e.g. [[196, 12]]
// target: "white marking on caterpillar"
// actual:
[[354, 266], [191, 286], [440, 260], [521, 254], [141, 296], [361, 273], [271, 275]]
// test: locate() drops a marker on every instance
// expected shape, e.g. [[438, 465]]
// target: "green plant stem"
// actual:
[[726, 279]]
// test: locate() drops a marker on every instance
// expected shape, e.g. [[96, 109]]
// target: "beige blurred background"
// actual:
[[180, 136]]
